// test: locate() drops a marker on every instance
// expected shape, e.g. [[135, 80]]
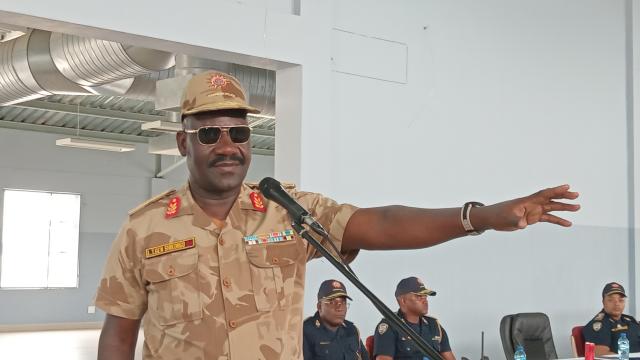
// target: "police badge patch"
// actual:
[[382, 328], [597, 326]]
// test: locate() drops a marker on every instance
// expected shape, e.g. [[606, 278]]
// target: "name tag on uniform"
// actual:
[[274, 237], [170, 247]]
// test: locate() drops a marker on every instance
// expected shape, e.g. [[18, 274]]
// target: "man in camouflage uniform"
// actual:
[[390, 344], [214, 271], [605, 328], [327, 335]]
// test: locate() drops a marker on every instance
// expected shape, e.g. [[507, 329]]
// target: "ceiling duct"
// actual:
[[42, 63]]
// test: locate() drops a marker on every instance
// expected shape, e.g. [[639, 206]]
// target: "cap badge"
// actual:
[[258, 203], [172, 208], [218, 81], [336, 285]]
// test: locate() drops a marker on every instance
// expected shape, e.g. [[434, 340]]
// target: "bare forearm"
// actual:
[[601, 350], [118, 338], [401, 227], [115, 351]]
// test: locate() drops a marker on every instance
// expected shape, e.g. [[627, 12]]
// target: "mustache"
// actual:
[[220, 158]]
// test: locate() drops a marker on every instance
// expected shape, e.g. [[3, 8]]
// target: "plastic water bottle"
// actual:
[[623, 347], [519, 354]]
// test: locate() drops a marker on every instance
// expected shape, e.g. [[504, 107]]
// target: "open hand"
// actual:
[[519, 213]]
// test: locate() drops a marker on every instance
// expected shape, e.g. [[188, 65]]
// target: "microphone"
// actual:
[[272, 190]]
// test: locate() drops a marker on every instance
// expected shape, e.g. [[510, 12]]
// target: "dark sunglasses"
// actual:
[[210, 135]]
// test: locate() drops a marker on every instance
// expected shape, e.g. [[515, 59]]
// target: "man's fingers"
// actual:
[[559, 192], [555, 220], [558, 206]]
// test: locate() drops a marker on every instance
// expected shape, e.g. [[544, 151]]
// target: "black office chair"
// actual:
[[531, 330]]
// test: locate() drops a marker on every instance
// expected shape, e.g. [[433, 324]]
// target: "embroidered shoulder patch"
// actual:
[[258, 203], [172, 208], [150, 201], [597, 326], [382, 328], [170, 247]]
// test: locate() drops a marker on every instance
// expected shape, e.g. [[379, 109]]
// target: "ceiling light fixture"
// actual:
[[164, 126], [92, 144]]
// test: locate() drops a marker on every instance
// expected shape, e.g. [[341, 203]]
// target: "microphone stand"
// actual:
[[389, 315]]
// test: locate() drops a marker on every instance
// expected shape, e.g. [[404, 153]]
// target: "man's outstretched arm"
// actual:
[[118, 338], [401, 227]]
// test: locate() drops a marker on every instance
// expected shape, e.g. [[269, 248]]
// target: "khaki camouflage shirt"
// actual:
[[228, 291]]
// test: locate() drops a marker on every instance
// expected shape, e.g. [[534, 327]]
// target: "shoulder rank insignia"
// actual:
[[170, 247], [597, 326], [258, 203], [598, 317], [172, 208], [382, 328], [150, 201]]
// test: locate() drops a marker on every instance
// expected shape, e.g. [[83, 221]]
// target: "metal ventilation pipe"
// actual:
[[41, 63]]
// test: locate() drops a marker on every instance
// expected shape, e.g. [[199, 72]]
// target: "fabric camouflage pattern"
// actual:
[[226, 297], [213, 90]]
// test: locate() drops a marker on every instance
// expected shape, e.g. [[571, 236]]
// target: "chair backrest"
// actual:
[[577, 341], [531, 330], [505, 336], [369, 345]]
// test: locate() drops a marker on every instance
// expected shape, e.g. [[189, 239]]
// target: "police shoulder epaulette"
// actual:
[[599, 316], [285, 185], [150, 201]]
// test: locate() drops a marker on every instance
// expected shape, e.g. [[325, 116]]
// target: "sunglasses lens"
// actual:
[[209, 135], [240, 134]]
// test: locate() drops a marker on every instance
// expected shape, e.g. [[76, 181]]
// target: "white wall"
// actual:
[[500, 98], [109, 185]]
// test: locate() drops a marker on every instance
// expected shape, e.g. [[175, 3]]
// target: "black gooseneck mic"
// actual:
[[272, 190]]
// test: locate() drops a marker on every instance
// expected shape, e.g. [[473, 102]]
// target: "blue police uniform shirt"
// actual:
[[390, 342], [320, 343], [603, 330]]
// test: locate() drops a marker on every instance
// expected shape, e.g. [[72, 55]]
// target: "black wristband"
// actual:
[[464, 216]]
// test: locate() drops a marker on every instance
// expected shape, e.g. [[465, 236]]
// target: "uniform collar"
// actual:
[[200, 218], [421, 319], [623, 318], [244, 198], [316, 317]]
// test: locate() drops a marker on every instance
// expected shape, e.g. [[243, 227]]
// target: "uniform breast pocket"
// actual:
[[322, 351], [174, 294], [273, 271], [407, 348]]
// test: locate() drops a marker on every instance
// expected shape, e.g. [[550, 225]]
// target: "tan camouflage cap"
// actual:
[[213, 90]]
